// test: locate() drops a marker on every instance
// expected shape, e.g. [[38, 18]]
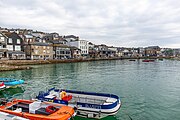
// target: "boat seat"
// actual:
[[22, 105], [25, 107], [42, 111], [18, 110]]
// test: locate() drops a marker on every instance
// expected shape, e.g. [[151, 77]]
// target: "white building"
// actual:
[[81, 44]]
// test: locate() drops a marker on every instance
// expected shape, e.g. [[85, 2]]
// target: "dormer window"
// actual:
[[10, 40]]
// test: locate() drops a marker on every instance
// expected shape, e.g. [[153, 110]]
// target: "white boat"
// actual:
[[7, 116], [88, 104]]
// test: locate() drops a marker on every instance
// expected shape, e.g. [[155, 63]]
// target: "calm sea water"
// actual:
[[148, 91]]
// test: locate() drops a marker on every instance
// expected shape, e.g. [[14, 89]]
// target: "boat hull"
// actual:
[[97, 113], [11, 82], [14, 83], [148, 60]]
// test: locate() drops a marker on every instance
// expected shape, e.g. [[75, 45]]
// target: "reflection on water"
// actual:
[[9, 92]]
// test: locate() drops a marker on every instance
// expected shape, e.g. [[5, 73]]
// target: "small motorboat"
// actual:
[[88, 104], [9, 82], [37, 110], [148, 60], [2, 86]]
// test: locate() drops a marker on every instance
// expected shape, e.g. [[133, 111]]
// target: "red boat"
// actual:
[[148, 60], [2, 86]]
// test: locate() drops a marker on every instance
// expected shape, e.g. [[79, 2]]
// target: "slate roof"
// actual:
[[16, 52], [11, 35], [61, 45], [40, 44], [74, 48], [71, 36]]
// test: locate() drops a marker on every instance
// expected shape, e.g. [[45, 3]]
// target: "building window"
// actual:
[[10, 47], [57, 52], [61, 52], [18, 48], [48, 51], [67, 52], [10, 40], [44, 51], [36, 52], [47, 47], [18, 41], [2, 39], [44, 47]]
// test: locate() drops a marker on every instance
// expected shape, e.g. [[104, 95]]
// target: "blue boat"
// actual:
[[11, 82], [88, 104]]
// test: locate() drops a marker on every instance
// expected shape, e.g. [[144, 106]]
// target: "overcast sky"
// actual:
[[128, 23]]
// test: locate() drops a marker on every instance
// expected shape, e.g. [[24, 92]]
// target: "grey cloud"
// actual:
[[113, 22]]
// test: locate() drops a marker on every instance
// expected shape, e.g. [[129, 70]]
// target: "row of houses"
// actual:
[[38, 45], [29, 44]]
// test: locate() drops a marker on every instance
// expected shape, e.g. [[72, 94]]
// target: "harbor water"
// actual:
[[148, 90]]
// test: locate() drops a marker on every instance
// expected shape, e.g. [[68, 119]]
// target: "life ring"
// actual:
[[63, 94], [51, 109]]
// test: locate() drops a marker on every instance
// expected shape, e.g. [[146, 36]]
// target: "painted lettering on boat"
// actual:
[[93, 106]]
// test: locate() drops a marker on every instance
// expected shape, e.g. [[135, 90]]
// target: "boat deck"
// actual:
[[24, 107], [91, 99]]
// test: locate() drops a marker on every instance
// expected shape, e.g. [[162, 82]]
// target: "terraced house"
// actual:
[[39, 50], [15, 48], [152, 51], [61, 51]]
